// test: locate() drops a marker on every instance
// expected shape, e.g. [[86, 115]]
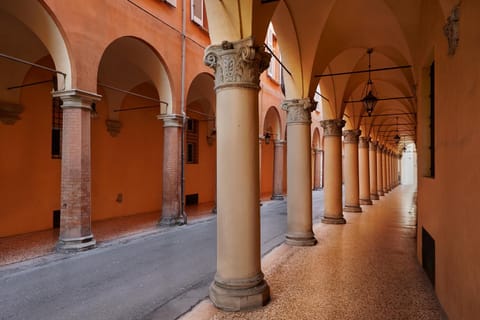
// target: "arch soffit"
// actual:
[[272, 123], [201, 92]]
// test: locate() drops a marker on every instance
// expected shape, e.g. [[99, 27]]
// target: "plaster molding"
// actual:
[[450, 30], [237, 64], [77, 98], [113, 127], [171, 120], [299, 111], [332, 127], [10, 113]]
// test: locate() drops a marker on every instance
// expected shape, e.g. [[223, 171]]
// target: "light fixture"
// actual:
[[369, 99], [396, 138], [267, 137]]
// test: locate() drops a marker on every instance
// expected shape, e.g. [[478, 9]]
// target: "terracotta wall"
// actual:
[[29, 177], [267, 158], [447, 203]]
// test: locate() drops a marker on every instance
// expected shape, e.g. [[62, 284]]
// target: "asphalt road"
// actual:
[[156, 275]]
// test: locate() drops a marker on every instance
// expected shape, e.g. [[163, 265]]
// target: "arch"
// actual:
[[145, 65], [272, 123], [316, 141]]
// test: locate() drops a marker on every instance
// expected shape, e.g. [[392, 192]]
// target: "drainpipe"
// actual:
[[184, 116]]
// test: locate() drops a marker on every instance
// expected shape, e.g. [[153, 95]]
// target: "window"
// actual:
[[192, 141], [271, 67], [197, 11], [57, 122]]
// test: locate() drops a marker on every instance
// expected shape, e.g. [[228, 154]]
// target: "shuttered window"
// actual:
[[197, 11], [173, 3]]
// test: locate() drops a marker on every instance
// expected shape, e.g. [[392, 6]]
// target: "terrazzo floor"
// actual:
[[36, 244], [366, 269]]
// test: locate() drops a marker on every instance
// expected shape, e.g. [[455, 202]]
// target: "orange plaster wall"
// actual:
[[200, 178], [266, 186], [130, 163], [29, 177], [448, 206]]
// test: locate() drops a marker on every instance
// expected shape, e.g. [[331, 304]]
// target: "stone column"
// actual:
[[364, 171], [278, 170], [299, 173], [390, 170], [239, 282], [75, 219], [352, 203], [171, 193], [379, 170], [332, 152], [384, 170], [317, 168], [373, 170]]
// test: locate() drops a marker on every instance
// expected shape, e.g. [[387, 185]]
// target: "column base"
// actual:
[[380, 193], [169, 221], [317, 189], [239, 299], [366, 202], [352, 208], [75, 244], [374, 196], [277, 197], [331, 220], [298, 240]]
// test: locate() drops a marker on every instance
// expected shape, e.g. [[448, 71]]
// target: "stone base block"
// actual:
[[168, 221], [239, 299], [334, 220], [75, 244], [277, 197], [374, 196], [300, 240], [352, 208], [366, 202], [380, 193]]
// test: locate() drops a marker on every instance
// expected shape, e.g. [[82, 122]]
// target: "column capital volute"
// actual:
[[299, 111], [351, 136], [76, 98], [237, 64], [364, 142], [332, 127], [171, 120]]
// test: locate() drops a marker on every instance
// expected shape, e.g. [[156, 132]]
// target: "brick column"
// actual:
[[278, 170], [352, 203], [299, 173], [379, 169], [75, 219], [317, 169], [332, 151], [172, 180], [373, 170], [364, 171], [239, 282]]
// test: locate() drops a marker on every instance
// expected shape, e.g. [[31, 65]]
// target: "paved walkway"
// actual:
[[366, 269]]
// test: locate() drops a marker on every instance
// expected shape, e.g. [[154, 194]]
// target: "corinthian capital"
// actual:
[[237, 64], [363, 142], [351, 136], [298, 110], [332, 127]]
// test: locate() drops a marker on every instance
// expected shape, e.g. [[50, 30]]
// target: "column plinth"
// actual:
[[299, 204], [352, 201], [75, 218], [171, 190], [239, 282], [332, 152], [278, 170]]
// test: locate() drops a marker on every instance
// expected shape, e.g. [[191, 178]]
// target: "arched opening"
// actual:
[[200, 146], [317, 161], [31, 48], [127, 137], [271, 151]]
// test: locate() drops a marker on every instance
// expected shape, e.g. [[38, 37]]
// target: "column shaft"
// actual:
[[171, 190], [333, 171], [352, 202], [299, 174], [278, 170], [384, 171], [380, 170], [75, 219], [364, 171], [317, 168], [239, 282], [373, 170]]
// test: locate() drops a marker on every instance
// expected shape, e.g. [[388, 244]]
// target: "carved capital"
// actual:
[[450, 29], [113, 127], [237, 64], [171, 120], [10, 113], [363, 142], [332, 127], [373, 145], [351, 136], [76, 98], [279, 143], [298, 111], [380, 147]]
